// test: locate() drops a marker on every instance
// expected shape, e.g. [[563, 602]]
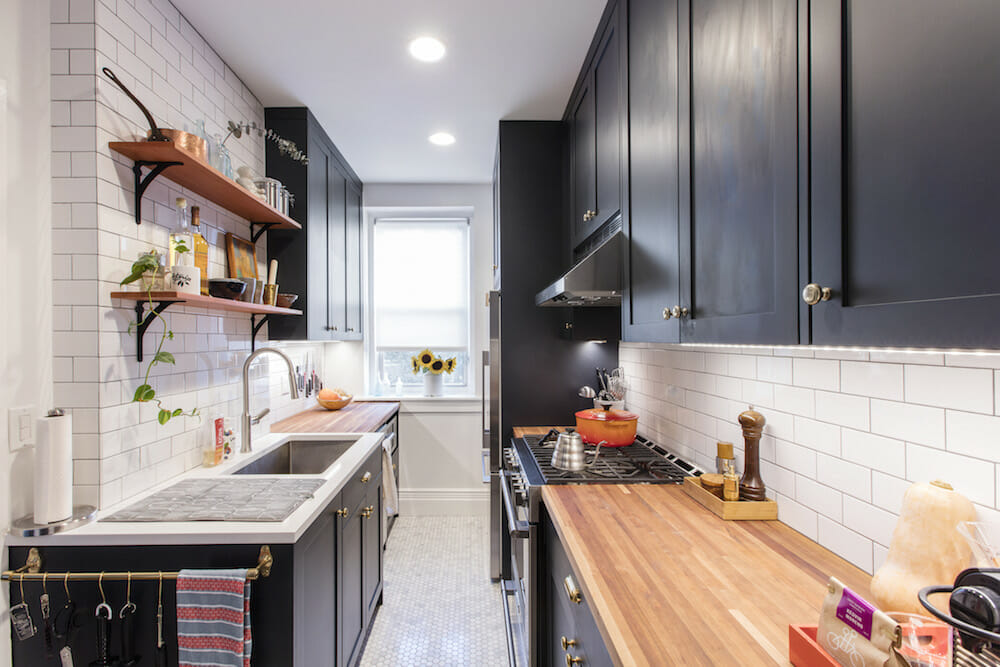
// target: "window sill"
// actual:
[[439, 404]]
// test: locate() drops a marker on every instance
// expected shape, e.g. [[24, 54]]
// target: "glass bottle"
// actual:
[[730, 483], [180, 239], [199, 247]]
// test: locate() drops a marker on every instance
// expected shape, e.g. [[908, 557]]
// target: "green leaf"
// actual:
[[165, 357], [163, 417], [178, 412], [143, 393], [170, 335]]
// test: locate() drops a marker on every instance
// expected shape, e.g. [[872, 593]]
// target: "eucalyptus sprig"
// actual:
[[145, 393]]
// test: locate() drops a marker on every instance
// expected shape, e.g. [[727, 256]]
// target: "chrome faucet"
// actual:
[[248, 419]]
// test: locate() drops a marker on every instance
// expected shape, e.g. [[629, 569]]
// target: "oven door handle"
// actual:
[[517, 529]]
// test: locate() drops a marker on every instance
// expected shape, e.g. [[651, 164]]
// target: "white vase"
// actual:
[[433, 384], [186, 279]]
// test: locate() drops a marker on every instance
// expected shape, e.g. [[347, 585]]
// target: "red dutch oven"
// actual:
[[612, 428]]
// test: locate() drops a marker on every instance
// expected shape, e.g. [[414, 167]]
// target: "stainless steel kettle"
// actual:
[[569, 454]]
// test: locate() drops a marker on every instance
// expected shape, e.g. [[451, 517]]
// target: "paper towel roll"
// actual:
[[54, 469]]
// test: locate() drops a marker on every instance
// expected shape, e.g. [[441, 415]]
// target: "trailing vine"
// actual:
[[145, 393]]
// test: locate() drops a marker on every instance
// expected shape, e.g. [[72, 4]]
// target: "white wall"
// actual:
[[119, 447], [441, 439], [848, 430], [25, 247]]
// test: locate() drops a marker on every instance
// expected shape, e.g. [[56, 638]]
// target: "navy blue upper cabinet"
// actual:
[[905, 164], [595, 116], [322, 262], [739, 184], [652, 272]]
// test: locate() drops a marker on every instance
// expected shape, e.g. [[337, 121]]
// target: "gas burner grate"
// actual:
[[633, 464]]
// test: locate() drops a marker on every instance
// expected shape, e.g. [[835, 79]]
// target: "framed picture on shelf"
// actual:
[[242, 257]]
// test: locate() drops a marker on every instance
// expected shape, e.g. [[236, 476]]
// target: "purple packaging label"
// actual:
[[856, 613]]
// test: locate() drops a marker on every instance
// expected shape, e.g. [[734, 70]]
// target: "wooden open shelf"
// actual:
[[198, 176], [210, 302]]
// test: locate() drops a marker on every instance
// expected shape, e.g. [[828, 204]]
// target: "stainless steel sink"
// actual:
[[298, 457]]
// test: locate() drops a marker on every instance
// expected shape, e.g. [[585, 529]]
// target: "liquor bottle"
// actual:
[[200, 248]]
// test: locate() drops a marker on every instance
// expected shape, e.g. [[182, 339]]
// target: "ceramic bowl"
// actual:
[[226, 288], [334, 405], [286, 300]]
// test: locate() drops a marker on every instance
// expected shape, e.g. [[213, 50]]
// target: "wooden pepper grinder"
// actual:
[[751, 485]]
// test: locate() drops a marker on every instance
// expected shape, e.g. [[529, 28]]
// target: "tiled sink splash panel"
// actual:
[[222, 500], [847, 430], [119, 447]]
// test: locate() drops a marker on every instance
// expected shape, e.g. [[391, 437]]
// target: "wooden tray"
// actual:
[[742, 510]]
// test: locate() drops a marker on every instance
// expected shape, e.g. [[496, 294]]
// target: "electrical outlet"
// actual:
[[20, 427]]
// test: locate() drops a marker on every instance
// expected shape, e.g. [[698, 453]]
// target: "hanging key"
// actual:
[[20, 618], [127, 617]]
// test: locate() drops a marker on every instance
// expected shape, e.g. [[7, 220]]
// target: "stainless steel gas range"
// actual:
[[526, 468]]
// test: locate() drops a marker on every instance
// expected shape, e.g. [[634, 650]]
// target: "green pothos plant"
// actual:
[[144, 393]]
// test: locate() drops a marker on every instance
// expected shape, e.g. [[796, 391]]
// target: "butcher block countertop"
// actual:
[[670, 583], [360, 417]]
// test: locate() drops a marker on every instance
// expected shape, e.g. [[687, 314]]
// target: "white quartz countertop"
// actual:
[[290, 530]]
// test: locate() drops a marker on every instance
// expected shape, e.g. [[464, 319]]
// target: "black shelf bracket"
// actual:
[[142, 183], [143, 321], [255, 327], [264, 226]]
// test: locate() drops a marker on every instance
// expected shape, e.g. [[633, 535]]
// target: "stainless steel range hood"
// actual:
[[596, 280]]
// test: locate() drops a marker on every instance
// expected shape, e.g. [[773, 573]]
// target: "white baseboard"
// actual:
[[444, 502]]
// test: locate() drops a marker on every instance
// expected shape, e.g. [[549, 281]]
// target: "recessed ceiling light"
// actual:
[[427, 49], [441, 139]]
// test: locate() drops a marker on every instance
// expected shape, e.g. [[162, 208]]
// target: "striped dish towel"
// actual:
[[213, 618]]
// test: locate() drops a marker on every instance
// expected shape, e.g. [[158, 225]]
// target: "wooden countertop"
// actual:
[[670, 583], [361, 417]]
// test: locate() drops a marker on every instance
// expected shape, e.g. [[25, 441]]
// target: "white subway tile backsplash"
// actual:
[[816, 373], [924, 357], [846, 543], [797, 516], [795, 400], [852, 411], [825, 500], [974, 435], [743, 366], [796, 458], [872, 379], [874, 523], [974, 478], [959, 388], [817, 435], [874, 451], [905, 421], [774, 369], [887, 491]]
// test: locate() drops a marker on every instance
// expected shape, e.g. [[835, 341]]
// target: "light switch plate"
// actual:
[[20, 427]]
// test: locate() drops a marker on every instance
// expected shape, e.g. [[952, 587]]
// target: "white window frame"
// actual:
[[394, 214]]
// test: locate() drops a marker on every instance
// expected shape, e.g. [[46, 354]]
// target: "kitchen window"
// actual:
[[420, 299]]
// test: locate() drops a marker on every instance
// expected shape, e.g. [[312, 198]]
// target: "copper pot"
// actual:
[[611, 428], [186, 141]]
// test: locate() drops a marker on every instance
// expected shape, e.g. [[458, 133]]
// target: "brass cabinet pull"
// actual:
[[566, 643], [367, 512], [572, 590], [572, 660], [667, 314], [679, 311], [813, 294], [367, 477], [343, 512]]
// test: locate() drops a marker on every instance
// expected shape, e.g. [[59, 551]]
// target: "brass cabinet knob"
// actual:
[[573, 660], [350, 328], [572, 590], [566, 643], [367, 477], [667, 314], [813, 294], [367, 512], [343, 512], [679, 312]]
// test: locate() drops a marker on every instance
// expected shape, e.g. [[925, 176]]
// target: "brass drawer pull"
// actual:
[[571, 660], [367, 477], [367, 512], [572, 590], [343, 512], [566, 643]]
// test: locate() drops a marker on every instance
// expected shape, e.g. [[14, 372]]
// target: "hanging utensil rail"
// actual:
[[31, 571]]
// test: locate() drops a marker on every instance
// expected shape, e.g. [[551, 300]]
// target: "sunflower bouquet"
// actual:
[[428, 362]]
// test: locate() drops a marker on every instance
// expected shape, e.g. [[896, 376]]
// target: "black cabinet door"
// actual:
[[583, 156], [607, 82], [351, 607], [354, 225], [317, 295], [336, 253], [739, 191], [315, 606], [371, 566], [905, 157], [652, 275]]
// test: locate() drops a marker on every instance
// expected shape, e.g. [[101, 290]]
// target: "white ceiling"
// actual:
[[347, 60]]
